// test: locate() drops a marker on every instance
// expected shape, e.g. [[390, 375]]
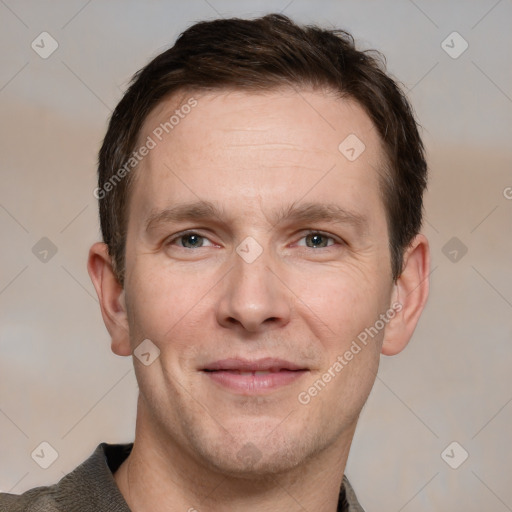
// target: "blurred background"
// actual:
[[436, 431]]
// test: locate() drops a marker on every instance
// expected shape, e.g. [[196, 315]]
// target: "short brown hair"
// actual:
[[263, 54]]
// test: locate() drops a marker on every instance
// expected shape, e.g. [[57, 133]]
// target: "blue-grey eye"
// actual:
[[192, 241], [317, 240]]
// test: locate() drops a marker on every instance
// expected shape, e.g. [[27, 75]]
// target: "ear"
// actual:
[[410, 292], [111, 297]]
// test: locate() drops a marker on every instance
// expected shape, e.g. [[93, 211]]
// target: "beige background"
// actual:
[[60, 383]]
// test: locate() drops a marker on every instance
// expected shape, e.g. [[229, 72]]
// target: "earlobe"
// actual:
[[111, 296], [411, 292]]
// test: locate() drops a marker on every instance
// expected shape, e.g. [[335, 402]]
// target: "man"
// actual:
[[260, 192]]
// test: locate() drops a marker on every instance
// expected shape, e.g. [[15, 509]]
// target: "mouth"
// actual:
[[253, 377]]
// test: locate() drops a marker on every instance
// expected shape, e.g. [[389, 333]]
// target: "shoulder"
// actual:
[[348, 499], [89, 488], [39, 499]]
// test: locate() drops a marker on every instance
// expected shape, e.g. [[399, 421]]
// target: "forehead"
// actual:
[[273, 145], [316, 119]]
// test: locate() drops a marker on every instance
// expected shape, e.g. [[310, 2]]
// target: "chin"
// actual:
[[250, 462], [257, 456]]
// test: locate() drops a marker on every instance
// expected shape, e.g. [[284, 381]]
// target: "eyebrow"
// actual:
[[198, 210], [305, 212]]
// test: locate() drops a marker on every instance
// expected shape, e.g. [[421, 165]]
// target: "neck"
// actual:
[[160, 476]]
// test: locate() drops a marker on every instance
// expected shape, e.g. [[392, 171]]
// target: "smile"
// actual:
[[253, 377]]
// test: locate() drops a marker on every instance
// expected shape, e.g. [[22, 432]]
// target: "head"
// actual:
[[260, 191]]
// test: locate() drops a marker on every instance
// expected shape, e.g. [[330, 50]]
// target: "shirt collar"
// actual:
[[97, 473]]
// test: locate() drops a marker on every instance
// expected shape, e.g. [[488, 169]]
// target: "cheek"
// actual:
[[341, 311], [161, 301], [341, 301], [163, 309]]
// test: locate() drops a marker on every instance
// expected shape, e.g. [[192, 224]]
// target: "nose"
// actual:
[[254, 297]]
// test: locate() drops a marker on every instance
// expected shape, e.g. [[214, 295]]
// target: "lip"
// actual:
[[239, 375], [258, 365]]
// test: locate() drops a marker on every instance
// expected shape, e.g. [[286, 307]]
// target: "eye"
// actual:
[[317, 240], [190, 240]]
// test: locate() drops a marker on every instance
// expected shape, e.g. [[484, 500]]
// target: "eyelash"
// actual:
[[182, 235], [309, 232], [323, 234]]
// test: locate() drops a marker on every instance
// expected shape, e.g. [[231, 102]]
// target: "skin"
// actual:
[[253, 155]]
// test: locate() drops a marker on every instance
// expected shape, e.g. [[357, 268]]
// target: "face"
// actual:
[[256, 254]]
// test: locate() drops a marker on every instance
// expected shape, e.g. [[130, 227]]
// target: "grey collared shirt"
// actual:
[[91, 488]]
